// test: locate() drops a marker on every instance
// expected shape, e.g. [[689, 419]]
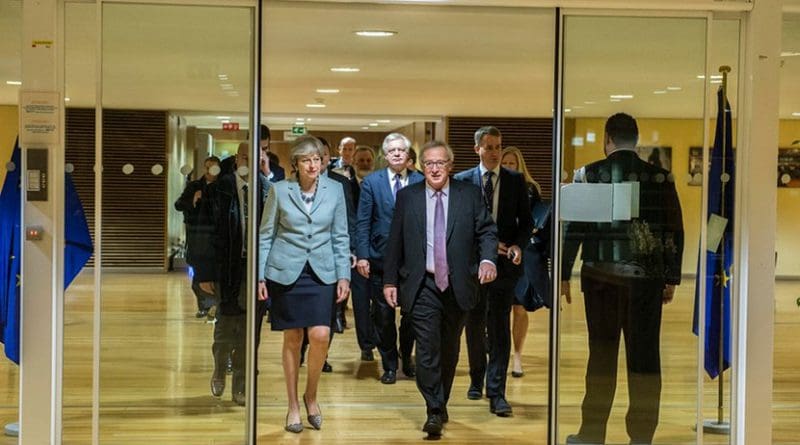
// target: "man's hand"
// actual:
[[342, 290], [197, 195], [515, 254], [390, 295], [566, 291], [262, 291], [263, 165], [487, 272], [363, 268], [668, 294]]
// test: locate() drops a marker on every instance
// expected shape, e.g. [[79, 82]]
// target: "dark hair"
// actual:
[[273, 157], [324, 141], [412, 154], [483, 131], [265, 133], [621, 128], [213, 159]]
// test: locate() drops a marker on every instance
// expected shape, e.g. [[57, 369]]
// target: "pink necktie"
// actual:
[[439, 245]]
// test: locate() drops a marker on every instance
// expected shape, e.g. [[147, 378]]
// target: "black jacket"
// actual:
[[199, 220]]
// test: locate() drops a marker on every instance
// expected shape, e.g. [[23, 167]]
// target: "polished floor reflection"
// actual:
[[158, 390]]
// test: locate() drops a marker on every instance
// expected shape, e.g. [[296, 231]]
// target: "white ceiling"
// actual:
[[445, 60]]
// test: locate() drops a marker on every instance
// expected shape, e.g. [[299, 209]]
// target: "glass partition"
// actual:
[[631, 208]]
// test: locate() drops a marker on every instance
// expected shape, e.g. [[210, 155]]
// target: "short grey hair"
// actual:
[[436, 144], [346, 140], [394, 137], [483, 131], [304, 146]]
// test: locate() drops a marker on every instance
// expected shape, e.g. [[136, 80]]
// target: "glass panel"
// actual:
[[170, 237], [467, 66], [10, 77], [627, 366], [786, 386]]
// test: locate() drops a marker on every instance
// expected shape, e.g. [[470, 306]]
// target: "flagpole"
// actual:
[[720, 426]]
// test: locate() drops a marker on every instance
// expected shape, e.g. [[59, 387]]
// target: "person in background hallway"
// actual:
[[230, 246], [534, 258], [198, 214], [630, 269], [269, 168], [304, 256], [487, 326], [336, 323], [375, 210], [412, 160], [347, 148], [363, 161], [442, 245]]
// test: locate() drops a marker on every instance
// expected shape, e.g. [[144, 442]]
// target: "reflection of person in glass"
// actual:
[[630, 269], [304, 253], [655, 158]]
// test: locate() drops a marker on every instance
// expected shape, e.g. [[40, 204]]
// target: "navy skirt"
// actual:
[[308, 302]]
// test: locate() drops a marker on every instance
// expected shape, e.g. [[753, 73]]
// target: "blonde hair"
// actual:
[[521, 167]]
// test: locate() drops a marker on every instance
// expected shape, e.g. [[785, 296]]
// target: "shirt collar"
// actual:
[[432, 193], [391, 173], [483, 170]]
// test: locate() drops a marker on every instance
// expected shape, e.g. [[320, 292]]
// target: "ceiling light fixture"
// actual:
[[716, 81], [674, 88], [621, 96], [383, 121], [226, 86], [328, 90], [13, 82], [375, 33], [317, 105], [701, 76], [373, 124], [222, 76], [365, 128], [66, 99], [223, 117], [790, 53], [796, 114], [616, 100], [567, 110], [345, 69], [660, 92]]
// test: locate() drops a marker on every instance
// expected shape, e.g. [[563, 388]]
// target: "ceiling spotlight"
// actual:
[[701, 76], [66, 99], [790, 53], [375, 33], [365, 128], [660, 92], [796, 114], [345, 69], [567, 110], [716, 81], [13, 82], [223, 117], [621, 96], [383, 121], [222, 76], [327, 90], [316, 105], [674, 88], [373, 124]]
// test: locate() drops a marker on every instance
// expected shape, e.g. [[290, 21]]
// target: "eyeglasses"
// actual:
[[438, 164], [309, 161]]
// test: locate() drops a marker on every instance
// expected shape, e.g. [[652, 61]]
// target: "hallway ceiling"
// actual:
[[444, 60]]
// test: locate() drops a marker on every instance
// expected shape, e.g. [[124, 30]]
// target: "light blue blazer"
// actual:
[[290, 235]]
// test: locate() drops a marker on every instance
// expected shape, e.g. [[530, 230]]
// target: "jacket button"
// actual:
[[309, 236], [308, 250], [309, 220]]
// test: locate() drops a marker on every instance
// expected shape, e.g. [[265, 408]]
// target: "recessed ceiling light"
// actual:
[[674, 88], [567, 110], [345, 69], [383, 121], [365, 128], [616, 100], [716, 81], [796, 114], [373, 124], [327, 90], [66, 99], [790, 53], [315, 105], [300, 119], [621, 96], [589, 102], [13, 82], [660, 92], [375, 33], [225, 121], [700, 76], [716, 76], [223, 117]]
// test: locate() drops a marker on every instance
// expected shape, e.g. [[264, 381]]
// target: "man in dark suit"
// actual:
[[375, 210], [269, 168], [442, 245], [630, 269], [230, 245], [506, 197]]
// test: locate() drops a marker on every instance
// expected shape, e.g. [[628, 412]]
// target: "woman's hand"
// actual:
[[262, 291], [342, 290]]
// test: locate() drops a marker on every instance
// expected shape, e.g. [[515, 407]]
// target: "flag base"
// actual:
[[714, 427], [12, 429]]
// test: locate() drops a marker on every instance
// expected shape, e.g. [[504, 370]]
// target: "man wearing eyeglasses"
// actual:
[[488, 329], [375, 210], [442, 246]]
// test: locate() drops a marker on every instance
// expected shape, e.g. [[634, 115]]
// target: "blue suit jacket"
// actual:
[[375, 211], [290, 236]]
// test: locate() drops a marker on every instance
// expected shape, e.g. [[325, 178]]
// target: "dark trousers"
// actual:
[[229, 341], [383, 318], [489, 333], [631, 306], [437, 321], [365, 330]]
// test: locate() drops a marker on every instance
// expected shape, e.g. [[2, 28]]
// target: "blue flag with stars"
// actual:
[[718, 262], [78, 249]]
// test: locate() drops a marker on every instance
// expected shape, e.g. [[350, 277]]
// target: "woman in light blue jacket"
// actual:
[[304, 269]]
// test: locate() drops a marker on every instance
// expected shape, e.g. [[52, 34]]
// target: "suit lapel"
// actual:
[[419, 210], [453, 207], [502, 180], [293, 189], [322, 194]]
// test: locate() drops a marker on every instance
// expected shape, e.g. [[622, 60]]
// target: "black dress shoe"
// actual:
[[201, 313], [474, 393], [367, 356], [408, 368], [576, 439], [389, 377], [217, 385], [500, 406], [433, 426], [238, 398], [326, 367], [445, 417], [338, 326], [517, 374]]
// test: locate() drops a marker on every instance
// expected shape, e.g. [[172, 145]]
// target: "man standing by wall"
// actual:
[[506, 198], [630, 269]]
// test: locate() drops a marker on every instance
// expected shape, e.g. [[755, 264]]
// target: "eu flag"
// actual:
[[77, 249], [719, 261]]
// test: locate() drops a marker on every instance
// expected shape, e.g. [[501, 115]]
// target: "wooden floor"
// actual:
[[156, 365]]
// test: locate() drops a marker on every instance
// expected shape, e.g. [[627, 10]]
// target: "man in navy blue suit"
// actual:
[[506, 198], [375, 212]]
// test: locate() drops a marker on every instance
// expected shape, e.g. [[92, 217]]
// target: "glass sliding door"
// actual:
[[631, 208]]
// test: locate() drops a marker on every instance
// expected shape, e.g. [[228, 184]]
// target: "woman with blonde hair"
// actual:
[[533, 259]]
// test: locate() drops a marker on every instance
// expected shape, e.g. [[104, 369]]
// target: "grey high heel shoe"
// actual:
[[294, 427], [316, 419]]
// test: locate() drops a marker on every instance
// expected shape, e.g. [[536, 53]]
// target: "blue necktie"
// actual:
[[397, 185], [488, 191]]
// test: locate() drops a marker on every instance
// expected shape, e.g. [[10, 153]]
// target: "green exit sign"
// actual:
[[298, 131]]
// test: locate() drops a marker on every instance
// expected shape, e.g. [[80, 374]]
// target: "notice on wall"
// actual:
[[39, 117]]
